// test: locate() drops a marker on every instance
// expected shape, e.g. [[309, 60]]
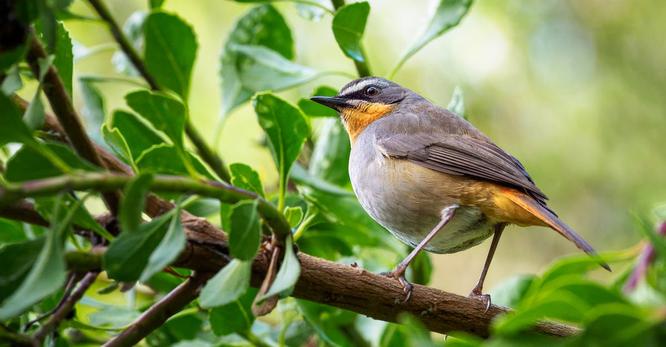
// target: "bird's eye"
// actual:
[[371, 91]]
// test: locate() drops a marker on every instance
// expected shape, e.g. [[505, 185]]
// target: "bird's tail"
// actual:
[[546, 216]]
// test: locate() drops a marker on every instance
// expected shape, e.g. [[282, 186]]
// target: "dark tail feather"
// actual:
[[555, 223]]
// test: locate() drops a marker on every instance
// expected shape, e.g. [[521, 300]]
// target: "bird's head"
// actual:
[[364, 101]]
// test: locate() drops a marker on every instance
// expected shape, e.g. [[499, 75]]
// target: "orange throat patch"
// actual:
[[358, 118]]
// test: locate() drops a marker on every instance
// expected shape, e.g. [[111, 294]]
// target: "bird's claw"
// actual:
[[485, 299], [407, 287]]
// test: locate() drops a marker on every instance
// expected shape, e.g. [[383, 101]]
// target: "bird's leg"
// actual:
[[478, 289], [399, 272]]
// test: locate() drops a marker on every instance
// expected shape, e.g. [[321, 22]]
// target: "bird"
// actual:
[[432, 179]]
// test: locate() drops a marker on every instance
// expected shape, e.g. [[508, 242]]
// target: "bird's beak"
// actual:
[[333, 102]]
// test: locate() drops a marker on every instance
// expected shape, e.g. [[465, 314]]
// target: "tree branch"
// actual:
[[61, 103], [23, 211], [61, 312], [158, 313], [207, 154]]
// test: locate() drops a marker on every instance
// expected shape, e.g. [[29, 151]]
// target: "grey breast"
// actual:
[[406, 198]]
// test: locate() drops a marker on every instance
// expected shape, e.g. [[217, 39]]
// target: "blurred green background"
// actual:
[[575, 89]]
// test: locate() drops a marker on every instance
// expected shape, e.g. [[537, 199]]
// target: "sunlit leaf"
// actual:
[[170, 50], [164, 159], [64, 57], [17, 260], [163, 112], [348, 27], [228, 285], [139, 136], [28, 164], [294, 215]]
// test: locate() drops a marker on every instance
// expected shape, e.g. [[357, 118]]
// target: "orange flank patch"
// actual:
[[504, 204], [358, 118]]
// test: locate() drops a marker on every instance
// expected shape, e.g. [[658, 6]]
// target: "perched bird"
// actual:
[[431, 178]]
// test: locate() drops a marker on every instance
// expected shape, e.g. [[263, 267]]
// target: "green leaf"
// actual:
[[12, 81], [313, 109], [287, 276], [34, 114], [168, 250], [116, 141], [261, 26], [164, 159], [170, 50], [330, 156], [420, 270], [294, 215], [228, 285], [561, 306], [13, 129], [165, 113], [303, 177], [266, 69], [17, 260], [410, 332], [235, 316], [134, 200], [137, 134], [11, 231], [447, 15], [81, 217], [244, 177], [511, 292], [48, 272], [9, 58], [457, 103], [93, 112], [128, 254], [245, 232], [27, 164], [286, 129], [64, 57], [153, 4], [348, 27]]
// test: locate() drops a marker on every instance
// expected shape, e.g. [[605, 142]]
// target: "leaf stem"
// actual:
[[309, 218]]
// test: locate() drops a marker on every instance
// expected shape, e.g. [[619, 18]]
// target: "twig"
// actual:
[[112, 181], [73, 279], [61, 313], [63, 108], [207, 154], [158, 313], [23, 211], [646, 258]]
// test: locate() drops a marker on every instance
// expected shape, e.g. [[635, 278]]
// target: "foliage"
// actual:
[[312, 202]]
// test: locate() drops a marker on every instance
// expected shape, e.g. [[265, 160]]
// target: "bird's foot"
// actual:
[[485, 298], [399, 274]]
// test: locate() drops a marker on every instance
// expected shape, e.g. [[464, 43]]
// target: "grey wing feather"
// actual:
[[463, 155]]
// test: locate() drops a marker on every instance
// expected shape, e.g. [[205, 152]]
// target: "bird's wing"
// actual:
[[461, 154]]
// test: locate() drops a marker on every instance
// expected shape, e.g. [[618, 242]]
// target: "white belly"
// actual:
[[407, 200]]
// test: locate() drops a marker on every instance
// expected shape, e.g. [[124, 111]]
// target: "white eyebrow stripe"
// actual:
[[361, 85]]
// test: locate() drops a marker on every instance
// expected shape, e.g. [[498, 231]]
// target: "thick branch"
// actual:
[[61, 312], [111, 181], [23, 211], [207, 154], [158, 313], [61, 103]]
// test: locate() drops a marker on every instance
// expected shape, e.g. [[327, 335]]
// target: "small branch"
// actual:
[[23, 211], [207, 154], [61, 103], [14, 339], [158, 313], [162, 183], [61, 313]]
